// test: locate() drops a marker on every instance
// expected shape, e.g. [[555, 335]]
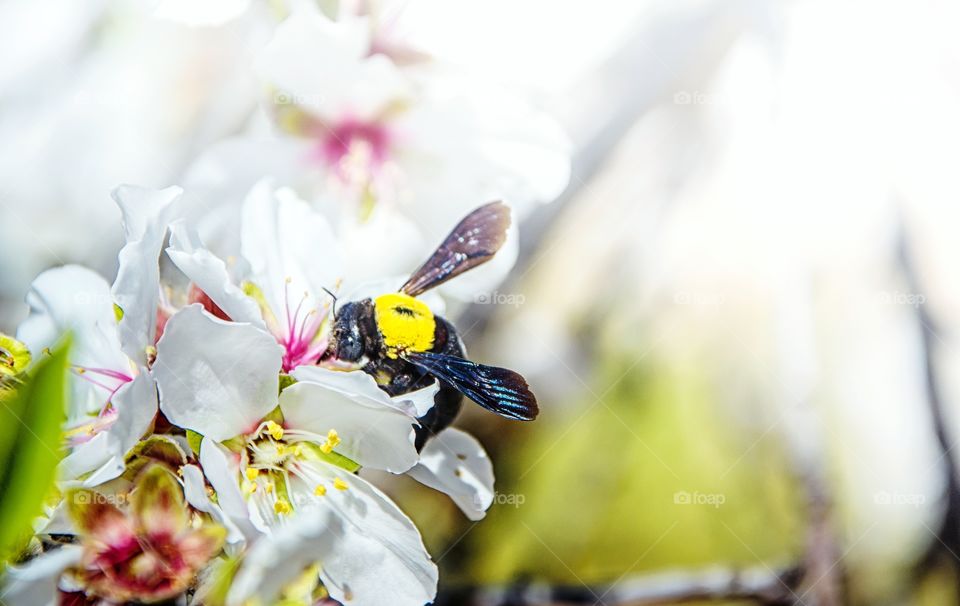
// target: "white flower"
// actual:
[[293, 260], [113, 397], [393, 156], [267, 473]]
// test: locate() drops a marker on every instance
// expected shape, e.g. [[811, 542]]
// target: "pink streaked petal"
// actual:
[[158, 506], [95, 517], [196, 547]]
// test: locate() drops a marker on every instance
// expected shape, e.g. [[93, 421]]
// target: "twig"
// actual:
[[949, 532]]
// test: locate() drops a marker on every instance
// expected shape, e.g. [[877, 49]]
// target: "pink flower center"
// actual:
[[355, 150], [301, 339]]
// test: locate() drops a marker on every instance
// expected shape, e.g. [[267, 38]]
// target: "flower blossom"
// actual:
[[150, 553]]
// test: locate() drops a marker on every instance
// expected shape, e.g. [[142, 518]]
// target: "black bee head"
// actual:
[[351, 330]]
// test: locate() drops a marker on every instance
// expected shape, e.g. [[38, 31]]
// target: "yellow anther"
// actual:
[[150, 350], [248, 487], [320, 490], [333, 438], [268, 487], [275, 430], [252, 473], [339, 484], [298, 449], [282, 507]]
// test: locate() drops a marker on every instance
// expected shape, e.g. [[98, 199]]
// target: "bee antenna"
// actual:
[[332, 296]]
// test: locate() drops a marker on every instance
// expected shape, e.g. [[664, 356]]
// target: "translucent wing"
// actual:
[[497, 389], [472, 242]]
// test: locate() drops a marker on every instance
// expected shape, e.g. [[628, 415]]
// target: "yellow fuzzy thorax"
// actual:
[[405, 323]]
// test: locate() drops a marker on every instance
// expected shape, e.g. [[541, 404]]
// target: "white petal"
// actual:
[[417, 403], [386, 243], [224, 173], [500, 146], [325, 67], [379, 558], [85, 457], [76, 299], [455, 463], [195, 492], [146, 213], [35, 583], [362, 387], [222, 470], [105, 454], [292, 251], [373, 433], [210, 274], [217, 378], [280, 558]]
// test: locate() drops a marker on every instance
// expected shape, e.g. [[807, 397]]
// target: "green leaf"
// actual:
[[31, 419]]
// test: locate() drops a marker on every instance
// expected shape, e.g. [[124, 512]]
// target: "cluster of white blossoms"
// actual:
[[214, 448], [392, 147], [209, 394]]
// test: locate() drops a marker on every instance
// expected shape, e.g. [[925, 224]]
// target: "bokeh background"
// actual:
[[741, 318]]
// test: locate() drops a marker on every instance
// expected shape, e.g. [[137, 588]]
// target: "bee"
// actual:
[[404, 346]]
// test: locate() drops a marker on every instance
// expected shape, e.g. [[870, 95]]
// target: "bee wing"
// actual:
[[472, 242], [497, 389]]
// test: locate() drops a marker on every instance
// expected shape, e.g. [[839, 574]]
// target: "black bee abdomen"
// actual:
[[448, 401]]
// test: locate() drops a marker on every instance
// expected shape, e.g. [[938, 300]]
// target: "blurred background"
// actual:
[[740, 317]]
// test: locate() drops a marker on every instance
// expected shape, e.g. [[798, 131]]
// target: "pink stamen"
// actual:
[[300, 343], [105, 419], [114, 374], [122, 379]]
